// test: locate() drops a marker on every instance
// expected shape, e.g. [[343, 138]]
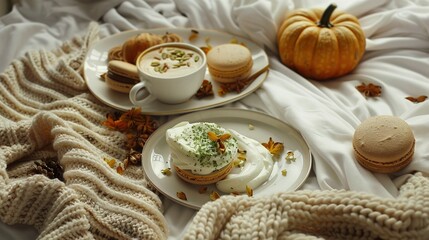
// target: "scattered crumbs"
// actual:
[[110, 161], [251, 127], [290, 157], [249, 191], [202, 189], [166, 171], [120, 168], [214, 195], [284, 172], [194, 35]]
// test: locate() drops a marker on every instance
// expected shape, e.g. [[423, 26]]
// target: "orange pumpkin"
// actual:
[[321, 44]]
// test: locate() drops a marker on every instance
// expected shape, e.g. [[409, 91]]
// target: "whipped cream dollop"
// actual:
[[192, 149], [256, 170]]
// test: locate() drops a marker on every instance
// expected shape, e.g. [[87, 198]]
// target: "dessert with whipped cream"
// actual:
[[204, 153], [254, 172]]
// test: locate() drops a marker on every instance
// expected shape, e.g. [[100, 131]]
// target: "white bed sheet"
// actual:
[[326, 113]]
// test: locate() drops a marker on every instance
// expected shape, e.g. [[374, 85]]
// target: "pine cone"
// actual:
[[49, 167]]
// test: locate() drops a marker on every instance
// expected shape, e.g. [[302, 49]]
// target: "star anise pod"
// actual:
[[370, 90], [236, 86], [147, 126], [136, 140], [133, 117], [205, 90], [418, 99]]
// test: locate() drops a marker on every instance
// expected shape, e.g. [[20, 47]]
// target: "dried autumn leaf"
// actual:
[[249, 191], [214, 195], [370, 90], [112, 123], [181, 195], [275, 148], [418, 99]]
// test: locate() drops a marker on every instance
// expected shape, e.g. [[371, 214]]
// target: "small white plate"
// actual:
[[156, 154], [96, 64]]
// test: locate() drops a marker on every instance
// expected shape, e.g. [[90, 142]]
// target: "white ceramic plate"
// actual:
[[156, 154], [96, 64]]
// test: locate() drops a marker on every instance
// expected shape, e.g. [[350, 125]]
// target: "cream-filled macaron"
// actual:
[[229, 62], [384, 144], [121, 76]]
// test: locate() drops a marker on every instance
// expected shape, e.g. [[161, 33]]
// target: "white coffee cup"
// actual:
[[171, 73]]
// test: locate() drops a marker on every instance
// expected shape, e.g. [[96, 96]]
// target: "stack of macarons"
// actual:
[[121, 76], [229, 62], [384, 144]]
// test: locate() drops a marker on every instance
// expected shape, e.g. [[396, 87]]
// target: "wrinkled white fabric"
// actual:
[[326, 113]]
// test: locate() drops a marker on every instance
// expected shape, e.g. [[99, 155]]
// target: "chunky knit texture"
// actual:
[[335, 214], [46, 111]]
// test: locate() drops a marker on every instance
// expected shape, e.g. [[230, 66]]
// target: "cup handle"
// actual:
[[134, 92]]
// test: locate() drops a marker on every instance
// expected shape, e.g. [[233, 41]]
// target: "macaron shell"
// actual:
[[117, 85], [385, 167], [229, 62], [124, 69], [121, 76], [384, 143], [231, 76], [213, 177]]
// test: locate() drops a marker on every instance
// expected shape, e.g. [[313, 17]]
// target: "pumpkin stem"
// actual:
[[324, 20]]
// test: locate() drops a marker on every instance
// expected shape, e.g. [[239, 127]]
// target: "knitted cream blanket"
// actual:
[[47, 112]]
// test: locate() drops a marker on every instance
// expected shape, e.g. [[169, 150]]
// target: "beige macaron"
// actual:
[[210, 178], [121, 76], [229, 62], [384, 144]]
